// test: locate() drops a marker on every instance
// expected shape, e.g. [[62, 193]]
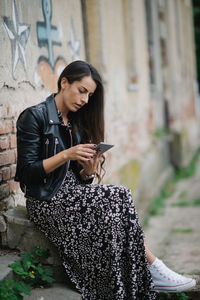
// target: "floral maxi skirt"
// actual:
[[96, 230]]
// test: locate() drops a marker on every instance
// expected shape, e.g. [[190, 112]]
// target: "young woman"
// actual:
[[95, 227]]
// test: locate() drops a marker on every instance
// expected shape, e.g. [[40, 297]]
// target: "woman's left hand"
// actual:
[[91, 165]]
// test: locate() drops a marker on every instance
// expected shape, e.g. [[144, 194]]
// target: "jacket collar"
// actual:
[[52, 110]]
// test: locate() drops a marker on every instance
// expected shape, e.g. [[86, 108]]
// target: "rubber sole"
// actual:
[[176, 288]]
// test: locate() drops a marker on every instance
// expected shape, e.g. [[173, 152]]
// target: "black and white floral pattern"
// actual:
[[99, 238]]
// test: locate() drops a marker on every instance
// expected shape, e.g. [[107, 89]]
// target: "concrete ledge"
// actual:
[[22, 234], [5, 271]]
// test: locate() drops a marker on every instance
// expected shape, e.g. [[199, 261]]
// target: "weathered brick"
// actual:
[[12, 171], [7, 157], [13, 141], [15, 152], [3, 111], [9, 111], [6, 126], [4, 142], [5, 173], [14, 130], [13, 186], [4, 191]]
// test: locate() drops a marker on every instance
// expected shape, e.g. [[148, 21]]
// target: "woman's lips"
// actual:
[[78, 105]]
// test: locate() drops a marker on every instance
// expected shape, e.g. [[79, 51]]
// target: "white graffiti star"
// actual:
[[18, 34]]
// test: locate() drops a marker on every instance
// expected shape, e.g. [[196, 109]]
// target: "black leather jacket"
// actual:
[[39, 136]]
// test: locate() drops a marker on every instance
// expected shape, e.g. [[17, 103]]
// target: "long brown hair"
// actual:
[[88, 122]]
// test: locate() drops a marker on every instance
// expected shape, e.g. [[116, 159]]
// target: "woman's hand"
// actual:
[[81, 152], [90, 166]]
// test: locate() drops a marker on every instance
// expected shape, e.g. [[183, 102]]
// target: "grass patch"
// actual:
[[188, 171], [183, 194], [158, 203], [182, 230], [157, 206], [181, 203], [195, 202]]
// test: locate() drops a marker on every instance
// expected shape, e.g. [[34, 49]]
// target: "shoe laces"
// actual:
[[167, 273]]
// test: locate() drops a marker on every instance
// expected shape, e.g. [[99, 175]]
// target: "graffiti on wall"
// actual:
[[18, 34], [47, 34], [48, 69], [74, 44]]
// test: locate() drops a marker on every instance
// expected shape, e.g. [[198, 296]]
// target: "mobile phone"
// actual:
[[103, 147]]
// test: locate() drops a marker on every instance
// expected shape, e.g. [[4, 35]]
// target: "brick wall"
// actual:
[[8, 154]]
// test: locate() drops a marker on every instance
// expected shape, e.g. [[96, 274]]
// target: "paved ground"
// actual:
[[56, 292], [174, 236]]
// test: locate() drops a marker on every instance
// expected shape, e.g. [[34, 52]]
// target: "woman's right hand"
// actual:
[[83, 152]]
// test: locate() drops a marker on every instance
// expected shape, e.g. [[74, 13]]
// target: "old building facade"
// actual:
[[144, 50]]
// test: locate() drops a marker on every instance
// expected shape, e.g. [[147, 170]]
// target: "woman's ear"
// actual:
[[64, 83]]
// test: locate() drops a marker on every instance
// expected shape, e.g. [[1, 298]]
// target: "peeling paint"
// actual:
[[129, 174], [184, 134]]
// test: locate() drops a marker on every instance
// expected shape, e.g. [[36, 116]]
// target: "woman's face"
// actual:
[[76, 94]]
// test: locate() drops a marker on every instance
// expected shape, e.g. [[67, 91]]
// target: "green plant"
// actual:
[[30, 272], [173, 296], [11, 290], [181, 296]]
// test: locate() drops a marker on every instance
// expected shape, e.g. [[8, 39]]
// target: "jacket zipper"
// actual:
[[68, 162], [56, 143], [47, 146]]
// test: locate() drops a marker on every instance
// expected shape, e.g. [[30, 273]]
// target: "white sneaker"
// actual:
[[167, 280]]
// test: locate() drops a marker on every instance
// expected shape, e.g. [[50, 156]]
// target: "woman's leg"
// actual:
[[150, 256], [165, 279]]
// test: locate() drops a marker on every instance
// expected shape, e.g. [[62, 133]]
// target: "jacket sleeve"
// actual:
[[29, 143]]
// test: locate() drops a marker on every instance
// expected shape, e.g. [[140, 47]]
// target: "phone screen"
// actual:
[[103, 147]]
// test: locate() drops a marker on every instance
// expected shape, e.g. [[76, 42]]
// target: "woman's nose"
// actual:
[[85, 98]]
